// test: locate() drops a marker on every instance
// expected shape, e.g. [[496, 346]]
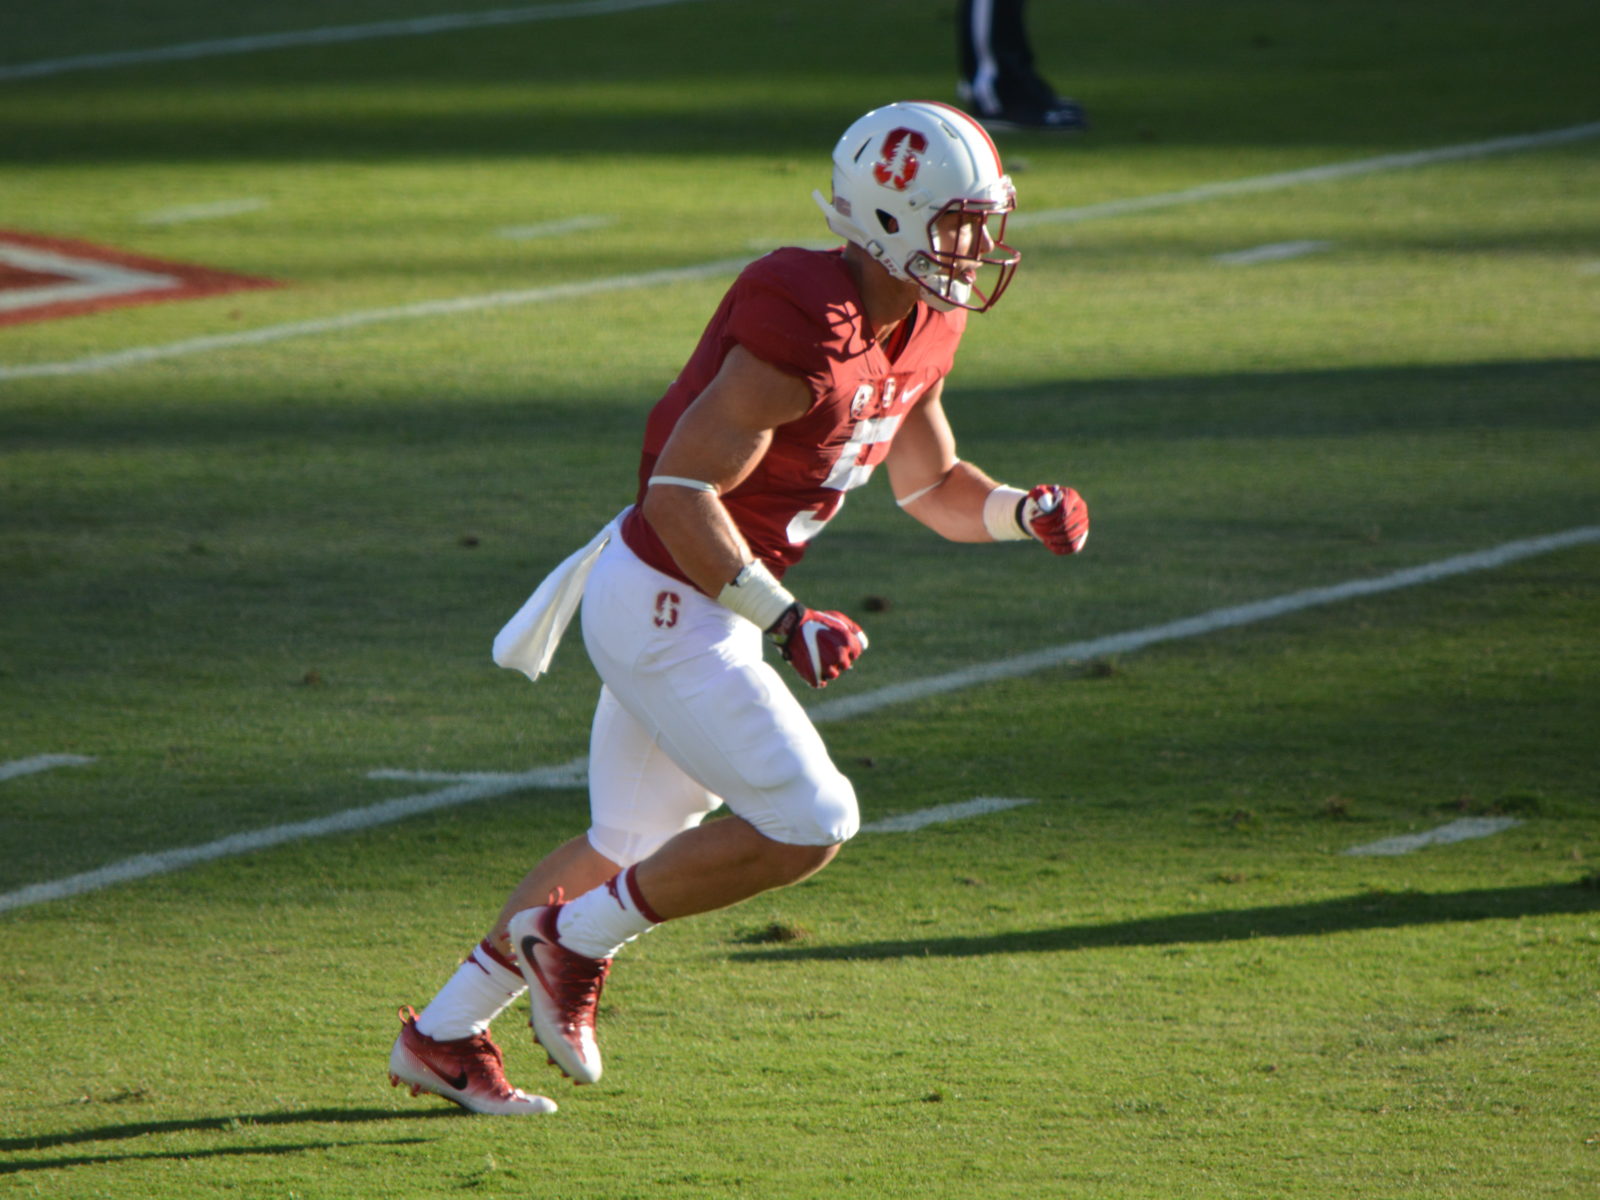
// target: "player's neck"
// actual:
[[885, 300]]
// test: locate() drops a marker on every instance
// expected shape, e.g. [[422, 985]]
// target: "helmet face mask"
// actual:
[[915, 185], [968, 265]]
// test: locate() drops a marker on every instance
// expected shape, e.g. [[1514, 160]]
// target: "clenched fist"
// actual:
[[821, 646], [1058, 517]]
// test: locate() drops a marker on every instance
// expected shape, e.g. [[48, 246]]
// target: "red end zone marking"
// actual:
[[42, 278]]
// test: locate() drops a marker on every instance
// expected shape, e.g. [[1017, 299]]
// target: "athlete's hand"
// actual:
[[1058, 517], [821, 646]]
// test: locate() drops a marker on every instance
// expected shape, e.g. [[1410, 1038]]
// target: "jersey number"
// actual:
[[868, 446]]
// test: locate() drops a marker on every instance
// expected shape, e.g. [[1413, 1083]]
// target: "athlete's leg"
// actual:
[[722, 863], [573, 867], [698, 688], [689, 674], [638, 799]]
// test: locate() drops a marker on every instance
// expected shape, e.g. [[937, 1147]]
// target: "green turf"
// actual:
[[242, 579]]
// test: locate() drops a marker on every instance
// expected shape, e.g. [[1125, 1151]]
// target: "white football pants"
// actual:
[[690, 717]]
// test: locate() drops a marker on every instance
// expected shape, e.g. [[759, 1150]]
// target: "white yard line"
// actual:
[[544, 229], [1209, 622], [581, 288], [41, 762], [1323, 174], [357, 320], [1457, 831], [331, 35], [348, 821], [472, 786], [912, 821], [1272, 252], [576, 774], [181, 214]]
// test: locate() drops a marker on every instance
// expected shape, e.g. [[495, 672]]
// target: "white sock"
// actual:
[[600, 922], [483, 985]]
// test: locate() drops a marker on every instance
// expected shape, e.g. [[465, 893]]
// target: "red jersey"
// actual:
[[800, 311]]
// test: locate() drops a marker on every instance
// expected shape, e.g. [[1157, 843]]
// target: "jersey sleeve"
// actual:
[[772, 322]]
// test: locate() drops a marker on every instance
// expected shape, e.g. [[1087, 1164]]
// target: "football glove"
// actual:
[[821, 646], [1058, 517]]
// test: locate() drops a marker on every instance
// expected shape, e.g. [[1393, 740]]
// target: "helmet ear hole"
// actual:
[[887, 220]]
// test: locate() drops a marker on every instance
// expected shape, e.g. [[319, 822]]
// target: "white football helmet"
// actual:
[[899, 172]]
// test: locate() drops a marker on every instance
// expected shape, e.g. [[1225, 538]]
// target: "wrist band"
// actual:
[[756, 595], [1002, 514]]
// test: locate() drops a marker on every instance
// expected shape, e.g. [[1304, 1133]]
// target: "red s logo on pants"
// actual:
[[667, 604]]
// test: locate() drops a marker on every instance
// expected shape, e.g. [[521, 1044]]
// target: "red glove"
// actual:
[[821, 646], [1058, 517]]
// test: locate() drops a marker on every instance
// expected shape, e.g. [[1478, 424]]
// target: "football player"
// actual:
[[817, 367]]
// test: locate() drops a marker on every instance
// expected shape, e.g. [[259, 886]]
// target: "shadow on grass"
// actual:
[[774, 81], [1346, 914], [1553, 395], [226, 1124], [98, 1160]]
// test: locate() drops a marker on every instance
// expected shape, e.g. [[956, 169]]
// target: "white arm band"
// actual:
[[921, 492], [1000, 510], [918, 494], [756, 595], [680, 481]]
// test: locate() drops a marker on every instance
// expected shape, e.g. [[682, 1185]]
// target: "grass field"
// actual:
[[253, 548]]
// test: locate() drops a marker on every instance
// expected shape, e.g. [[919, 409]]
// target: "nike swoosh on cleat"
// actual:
[[528, 956], [459, 1082], [528, 943]]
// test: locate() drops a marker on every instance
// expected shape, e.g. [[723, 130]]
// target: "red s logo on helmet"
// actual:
[[898, 163]]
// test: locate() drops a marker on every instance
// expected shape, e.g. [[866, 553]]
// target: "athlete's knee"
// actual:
[[626, 847], [838, 811], [628, 834], [786, 863], [817, 811]]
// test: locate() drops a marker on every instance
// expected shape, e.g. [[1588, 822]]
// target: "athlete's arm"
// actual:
[[929, 481], [718, 441], [959, 502]]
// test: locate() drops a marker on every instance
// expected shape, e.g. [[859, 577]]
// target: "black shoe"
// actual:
[[1037, 107], [1064, 116]]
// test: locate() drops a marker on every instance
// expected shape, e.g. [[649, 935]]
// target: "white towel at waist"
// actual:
[[529, 640]]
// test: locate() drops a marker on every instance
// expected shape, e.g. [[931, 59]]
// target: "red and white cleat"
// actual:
[[563, 990], [466, 1071]]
